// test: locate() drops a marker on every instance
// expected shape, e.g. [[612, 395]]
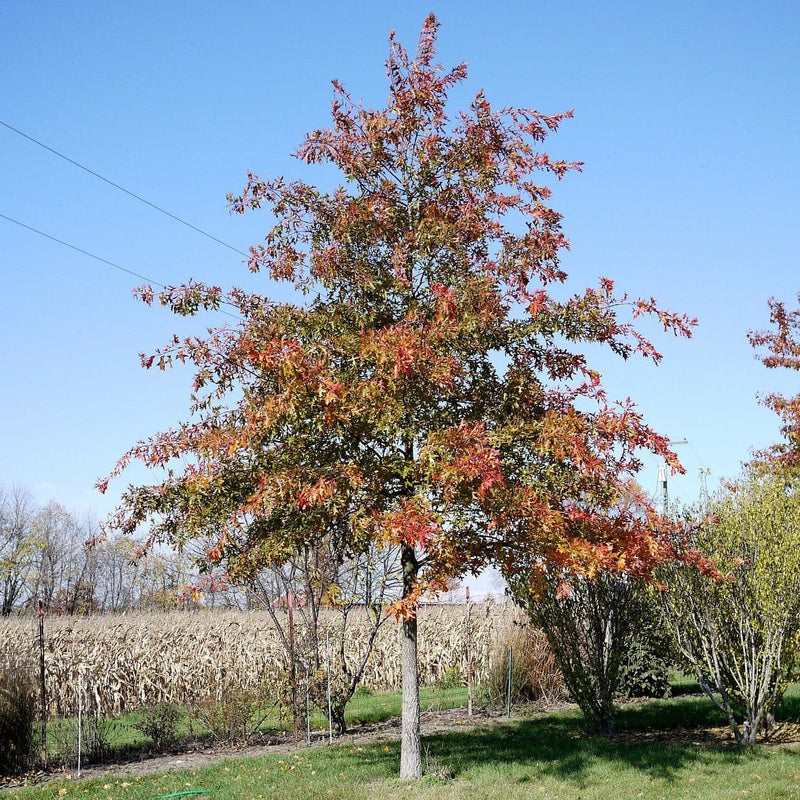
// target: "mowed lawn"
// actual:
[[665, 750]]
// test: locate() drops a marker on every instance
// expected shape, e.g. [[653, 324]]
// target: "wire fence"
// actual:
[[85, 739]]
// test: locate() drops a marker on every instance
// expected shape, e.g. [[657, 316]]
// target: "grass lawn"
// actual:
[[549, 757]]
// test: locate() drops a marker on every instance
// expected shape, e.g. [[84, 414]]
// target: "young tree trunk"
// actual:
[[410, 745], [605, 718], [337, 718], [606, 727]]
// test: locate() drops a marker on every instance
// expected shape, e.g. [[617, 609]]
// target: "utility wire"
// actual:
[[98, 258], [84, 252], [697, 456], [123, 189]]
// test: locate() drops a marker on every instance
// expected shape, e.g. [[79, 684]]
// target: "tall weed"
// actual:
[[534, 672], [17, 715]]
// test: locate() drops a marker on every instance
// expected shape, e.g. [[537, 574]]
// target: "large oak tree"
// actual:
[[429, 388]]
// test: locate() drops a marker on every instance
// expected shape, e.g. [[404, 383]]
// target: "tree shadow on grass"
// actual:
[[667, 718], [558, 745]]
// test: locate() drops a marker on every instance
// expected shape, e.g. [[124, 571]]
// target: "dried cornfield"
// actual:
[[124, 662]]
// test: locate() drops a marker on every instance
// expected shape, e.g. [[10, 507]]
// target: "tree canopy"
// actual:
[[782, 345]]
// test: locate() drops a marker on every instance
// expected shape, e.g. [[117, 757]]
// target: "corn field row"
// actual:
[[125, 662]]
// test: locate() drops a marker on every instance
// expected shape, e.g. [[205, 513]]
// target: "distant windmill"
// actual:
[[704, 496]]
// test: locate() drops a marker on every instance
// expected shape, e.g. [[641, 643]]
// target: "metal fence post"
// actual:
[[43, 687], [510, 679]]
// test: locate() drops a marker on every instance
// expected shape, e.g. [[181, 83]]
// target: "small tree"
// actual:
[[326, 593], [18, 546], [364, 587], [739, 634]]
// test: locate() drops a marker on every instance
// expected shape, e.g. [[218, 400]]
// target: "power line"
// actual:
[[98, 258], [83, 252], [123, 189]]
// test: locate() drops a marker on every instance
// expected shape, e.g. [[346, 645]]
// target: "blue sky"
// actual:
[[686, 116]]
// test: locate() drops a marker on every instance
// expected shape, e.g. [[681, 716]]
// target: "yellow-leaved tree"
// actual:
[[739, 635]]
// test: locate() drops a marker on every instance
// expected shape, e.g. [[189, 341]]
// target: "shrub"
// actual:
[[17, 715], [231, 718], [739, 635], [590, 629], [95, 745], [160, 724], [451, 678], [97, 734]]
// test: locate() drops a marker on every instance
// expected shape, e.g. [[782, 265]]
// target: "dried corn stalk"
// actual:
[[128, 661]]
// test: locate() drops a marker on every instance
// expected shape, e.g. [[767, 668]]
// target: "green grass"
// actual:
[[682, 683], [366, 709], [548, 757], [121, 737], [790, 705]]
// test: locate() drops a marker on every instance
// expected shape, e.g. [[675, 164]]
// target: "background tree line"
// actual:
[[52, 554]]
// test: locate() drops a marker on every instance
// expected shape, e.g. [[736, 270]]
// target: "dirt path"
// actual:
[[431, 722]]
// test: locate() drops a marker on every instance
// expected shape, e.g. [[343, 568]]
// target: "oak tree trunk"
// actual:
[[410, 744]]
